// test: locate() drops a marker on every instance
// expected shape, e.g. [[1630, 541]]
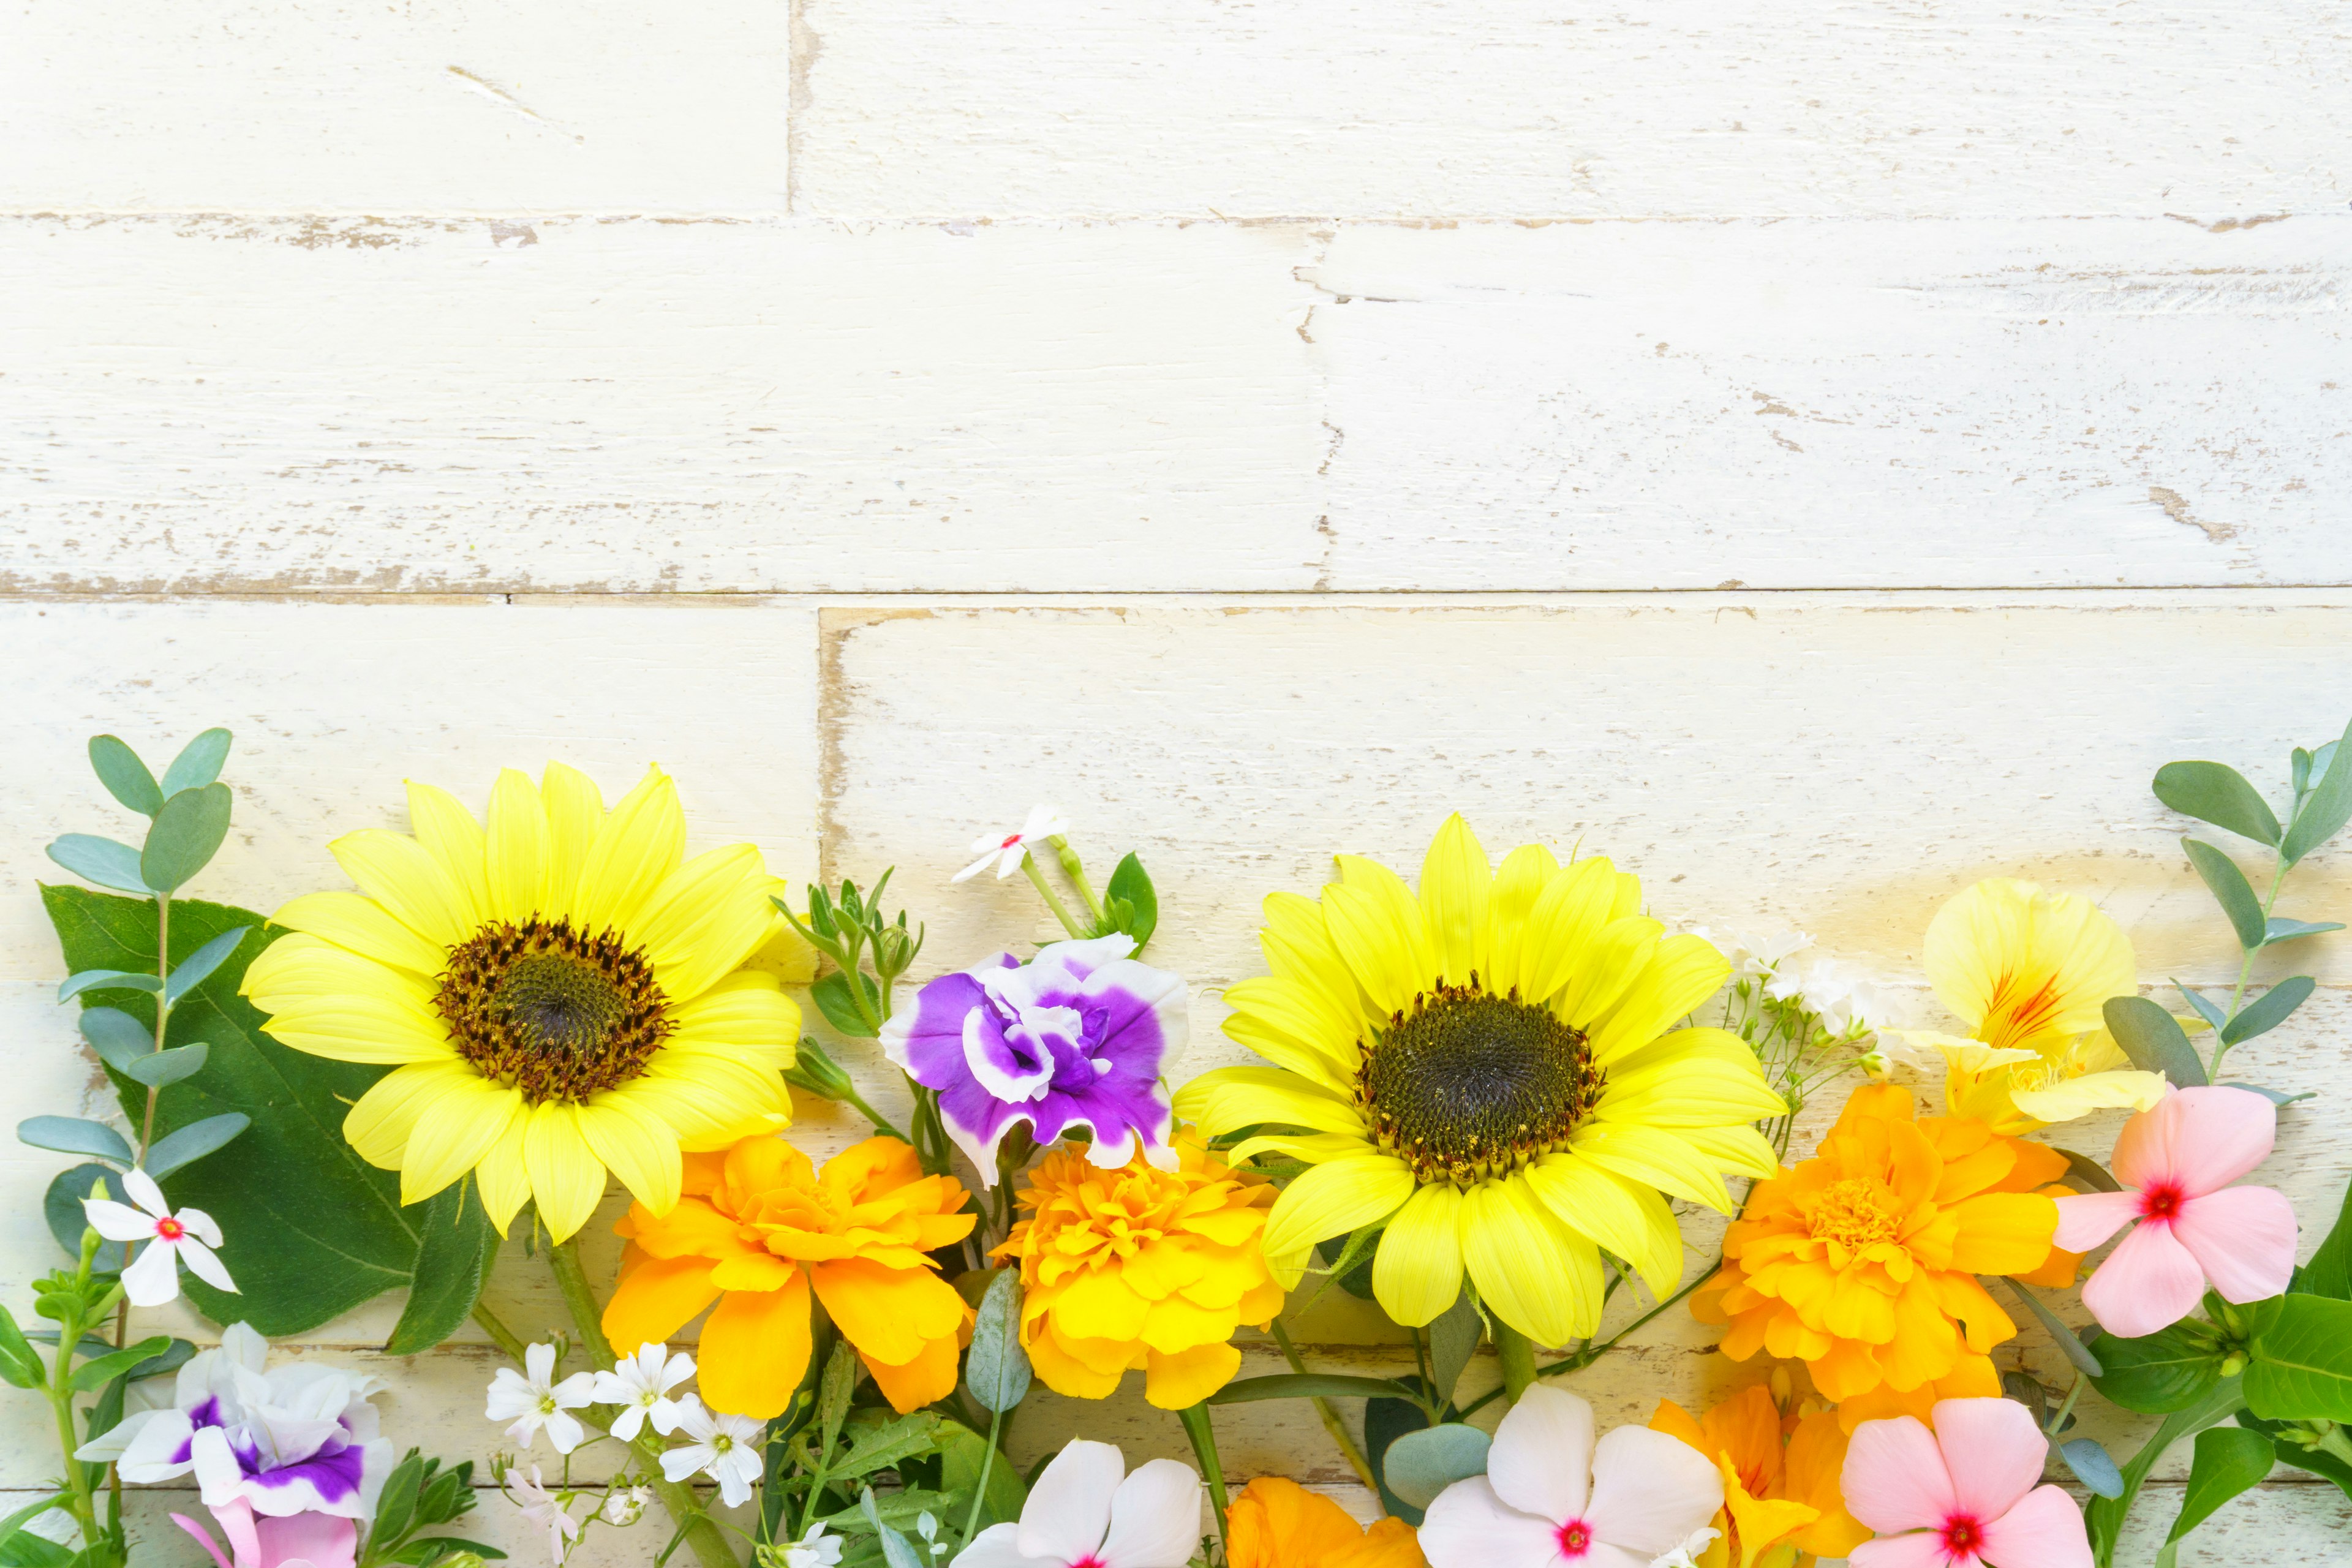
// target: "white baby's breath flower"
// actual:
[[546, 1509], [1754, 955], [531, 1399], [624, 1506], [725, 1447], [640, 1385]]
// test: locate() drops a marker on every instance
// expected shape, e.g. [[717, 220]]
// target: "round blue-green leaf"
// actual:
[[61, 1207], [997, 1370], [198, 764], [186, 833], [74, 1135], [117, 1037], [1420, 1464], [2092, 1466], [2217, 793], [100, 860], [126, 778], [194, 1141]]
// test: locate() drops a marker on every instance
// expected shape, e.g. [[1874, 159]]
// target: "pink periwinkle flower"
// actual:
[[1966, 1495], [259, 1541], [2189, 1227]]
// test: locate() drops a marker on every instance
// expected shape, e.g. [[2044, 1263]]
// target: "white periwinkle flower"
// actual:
[[725, 1447], [1044, 822], [1081, 1512], [532, 1399], [162, 1239], [640, 1385]]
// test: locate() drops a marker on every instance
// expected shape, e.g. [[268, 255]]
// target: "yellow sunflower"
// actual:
[[560, 995], [1492, 1072]]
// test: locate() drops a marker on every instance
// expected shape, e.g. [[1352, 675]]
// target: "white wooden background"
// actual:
[[1821, 456]]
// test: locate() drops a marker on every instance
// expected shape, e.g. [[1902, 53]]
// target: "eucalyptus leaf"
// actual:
[[1452, 1340], [157, 1068], [2279, 929], [2328, 808], [2215, 792], [1420, 1464], [75, 1135], [186, 835], [1131, 885], [2202, 1005], [2301, 1368], [126, 778], [105, 861], [2268, 1011], [61, 1208], [2065, 1337], [2092, 1466], [2092, 1175], [2275, 1097], [198, 764], [198, 966], [117, 1037], [107, 980], [317, 1230], [997, 1370], [192, 1142], [2154, 1041], [2229, 1460], [2231, 890], [1385, 1421]]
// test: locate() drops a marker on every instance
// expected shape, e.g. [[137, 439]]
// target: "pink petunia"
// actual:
[[1964, 1495], [2190, 1228]]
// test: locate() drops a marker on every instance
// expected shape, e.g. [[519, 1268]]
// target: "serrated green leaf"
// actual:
[[198, 764], [2217, 793], [2231, 890], [833, 998], [961, 1455], [997, 1369], [75, 1135], [126, 778], [2268, 1011], [2153, 1039], [2229, 1460], [1131, 885], [157, 1068], [61, 1208], [192, 1142], [880, 1447], [2158, 1373], [2279, 929], [317, 1230], [200, 964], [101, 861], [2328, 808], [2301, 1368], [455, 1246], [102, 1369], [184, 837], [107, 980], [396, 1504]]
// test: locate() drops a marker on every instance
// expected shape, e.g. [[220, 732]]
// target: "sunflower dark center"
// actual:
[[1466, 1084], [544, 1009]]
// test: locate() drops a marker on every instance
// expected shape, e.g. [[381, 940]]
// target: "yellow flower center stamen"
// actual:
[[1467, 1085], [545, 1010], [1857, 1212]]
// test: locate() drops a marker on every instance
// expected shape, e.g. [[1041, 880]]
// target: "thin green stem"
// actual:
[[980, 1488], [881, 1122], [1036, 876], [1076, 871], [711, 1548], [1594, 1350], [1330, 1416], [1204, 1447], [504, 1338], [1518, 1354], [2058, 1422], [61, 1400]]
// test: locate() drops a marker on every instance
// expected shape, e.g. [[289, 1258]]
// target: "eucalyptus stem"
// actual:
[[1329, 1417], [1204, 1447], [1518, 1354], [1036, 876], [702, 1534], [2245, 968], [2058, 1422]]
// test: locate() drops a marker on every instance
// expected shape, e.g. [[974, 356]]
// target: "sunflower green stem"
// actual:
[[1329, 1417], [702, 1532], [1037, 875], [1204, 1447], [2245, 968], [1518, 1354]]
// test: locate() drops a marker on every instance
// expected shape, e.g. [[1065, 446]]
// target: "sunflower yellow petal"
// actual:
[[1384, 953], [1627, 1217], [378, 1124], [394, 869], [1519, 882], [1531, 1271], [747, 1011], [447, 831], [1314, 1148], [1285, 1051], [1568, 913], [1298, 948], [515, 849], [503, 1182], [359, 924], [1742, 1151], [1293, 1010], [636, 1146], [705, 919], [1657, 1159], [1456, 885], [566, 1178], [1333, 1199], [1684, 972], [1417, 1269], [1689, 1094], [453, 1130], [301, 966], [1610, 967], [636, 847], [575, 810], [1227, 1098]]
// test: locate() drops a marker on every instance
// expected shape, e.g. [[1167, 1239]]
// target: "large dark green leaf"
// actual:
[[2217, 793], [2329, 1272], [455, 1249], [312, 1230], [2157, 1373], [2301, 1368], [2230, 1459], [1130, 885]]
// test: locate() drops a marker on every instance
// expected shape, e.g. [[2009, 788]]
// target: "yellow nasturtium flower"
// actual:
[[1493, 1071], [2029, 970], [558, 993]]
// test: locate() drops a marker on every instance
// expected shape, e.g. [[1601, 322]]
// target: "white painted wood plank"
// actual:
[[1474, 109], [458, 404], [1804, 405], [331, 106], [754, 408]]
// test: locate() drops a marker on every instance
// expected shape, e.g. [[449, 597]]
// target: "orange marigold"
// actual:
[[1862, 1261], [1140, 1267], [757, 1230], [1277, 1523], [1782, 1501]]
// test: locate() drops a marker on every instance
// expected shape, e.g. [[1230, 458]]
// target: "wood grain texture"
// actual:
[[1474, 109]]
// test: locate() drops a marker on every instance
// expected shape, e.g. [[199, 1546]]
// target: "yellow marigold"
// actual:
[[1862, 1261], [1781, 1502], [1142, 1268], [757, 1230], [1275, 1523]]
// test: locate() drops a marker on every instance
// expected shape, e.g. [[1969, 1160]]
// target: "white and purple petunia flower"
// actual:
[[299, 1437], [1075, 1038]]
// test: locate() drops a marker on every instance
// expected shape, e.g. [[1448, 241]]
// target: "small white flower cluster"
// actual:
[[1848, 1002]]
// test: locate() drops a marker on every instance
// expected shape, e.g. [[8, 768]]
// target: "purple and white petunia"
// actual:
[[1075, 1038], [300, 1437]]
